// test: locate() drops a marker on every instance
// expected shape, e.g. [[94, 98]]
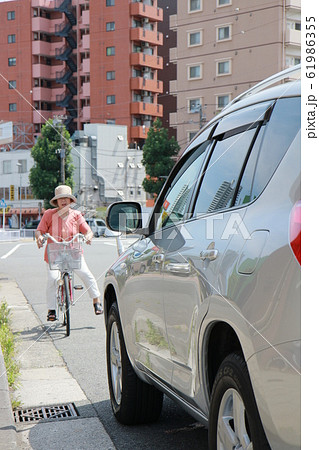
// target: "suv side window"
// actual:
[[281, 130], [178, 195], [223, 171]]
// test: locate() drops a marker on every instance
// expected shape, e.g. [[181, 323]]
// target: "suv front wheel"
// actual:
[[133, 401], [234, 420]]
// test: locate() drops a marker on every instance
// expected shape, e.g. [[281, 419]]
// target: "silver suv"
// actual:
[[213, 319]]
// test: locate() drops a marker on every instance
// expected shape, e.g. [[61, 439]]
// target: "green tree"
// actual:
[[158, 153], [46, 173]]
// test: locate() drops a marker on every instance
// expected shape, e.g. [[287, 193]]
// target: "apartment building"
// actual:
[[223, 48], [87, 62], [169, 72]]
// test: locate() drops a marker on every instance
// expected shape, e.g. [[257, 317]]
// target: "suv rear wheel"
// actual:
[[234, 420], [133, 401]]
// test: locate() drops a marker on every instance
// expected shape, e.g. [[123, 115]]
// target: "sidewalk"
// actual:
[[45, 382]]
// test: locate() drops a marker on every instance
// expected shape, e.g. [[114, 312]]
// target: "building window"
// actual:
[[194, 5], [191, 135], [110, 121], [110, 2], [292, 60], [11, 15], [11, 38], [223, 67], [12, 107], [12, 84], [110, 99], [110, 26], [110, 75], [23, 167], [12, 61], [110, 51], [195, 72], [292, 25], [194, 38], [194, 105], [7, 167], [223, 2], [224, 33], [222, 101]]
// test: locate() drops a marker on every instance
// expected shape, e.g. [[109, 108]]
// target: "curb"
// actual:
[[8, 437]]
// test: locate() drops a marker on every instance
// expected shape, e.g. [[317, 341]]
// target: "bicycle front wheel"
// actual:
[[66, 294]]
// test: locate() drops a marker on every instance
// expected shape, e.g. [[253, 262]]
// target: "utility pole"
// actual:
[[202, 118], [20, 172]]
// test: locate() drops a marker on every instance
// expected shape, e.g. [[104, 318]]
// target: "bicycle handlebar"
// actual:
[[64, 241]]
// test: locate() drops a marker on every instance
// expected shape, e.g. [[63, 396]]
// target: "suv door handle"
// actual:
[[210, 254], [158, 258]]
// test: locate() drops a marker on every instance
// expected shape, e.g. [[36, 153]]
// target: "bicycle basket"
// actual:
[[64, 256]]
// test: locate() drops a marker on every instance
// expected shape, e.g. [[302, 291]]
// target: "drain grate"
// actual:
[[45, 413]]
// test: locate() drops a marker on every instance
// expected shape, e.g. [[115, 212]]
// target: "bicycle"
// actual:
[[65, 256]]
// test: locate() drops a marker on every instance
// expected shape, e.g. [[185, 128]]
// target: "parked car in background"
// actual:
[[32, 224], [99, 228], [205, 306]]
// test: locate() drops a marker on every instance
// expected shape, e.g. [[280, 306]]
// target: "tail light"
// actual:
[[295, 231]]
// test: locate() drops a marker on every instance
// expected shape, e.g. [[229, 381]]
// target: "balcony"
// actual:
[[41, 116], [141, 59], [46, 94], [86, 113], [150, 12], [86, 42], [85, 66], [140, 83], [173, 54], [44, 25], [140, 34], [150, 109], [41, 48], [46, 4], [173, 22], [173, 87], [139, 132], [293, 4], [85, 91], [293, 38], [85, 19], [173, 119], [44, 71]]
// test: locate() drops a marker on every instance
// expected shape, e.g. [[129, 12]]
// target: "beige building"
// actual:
[[223, 48]]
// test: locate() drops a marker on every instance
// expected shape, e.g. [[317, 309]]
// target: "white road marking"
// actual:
[[11, 251]]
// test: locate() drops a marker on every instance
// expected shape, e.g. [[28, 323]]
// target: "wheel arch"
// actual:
[[221, 340], [109, 298]]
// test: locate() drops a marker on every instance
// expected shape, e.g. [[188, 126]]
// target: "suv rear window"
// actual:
[[281, 130]]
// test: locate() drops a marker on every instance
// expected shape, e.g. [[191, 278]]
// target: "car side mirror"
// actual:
[[125, 217]]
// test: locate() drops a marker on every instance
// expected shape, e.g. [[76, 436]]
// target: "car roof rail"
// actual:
[[290, 74]]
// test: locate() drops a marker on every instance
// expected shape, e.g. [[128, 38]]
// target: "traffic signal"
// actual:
[[11, 192]]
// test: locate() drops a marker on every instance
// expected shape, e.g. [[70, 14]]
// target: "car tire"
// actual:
[[96, 234], [133, 401], [234, 420]]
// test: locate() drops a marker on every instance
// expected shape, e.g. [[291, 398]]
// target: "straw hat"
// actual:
[[62, 192]]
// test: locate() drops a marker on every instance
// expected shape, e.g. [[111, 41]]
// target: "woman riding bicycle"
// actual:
[[65, 222]]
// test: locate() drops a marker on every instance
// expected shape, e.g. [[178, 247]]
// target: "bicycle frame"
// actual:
[[65, 285]]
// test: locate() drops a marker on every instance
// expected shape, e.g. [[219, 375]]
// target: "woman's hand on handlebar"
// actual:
[[89, 237], [40, 240]]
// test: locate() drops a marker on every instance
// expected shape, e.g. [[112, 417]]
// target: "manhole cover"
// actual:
[[45, 413]]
